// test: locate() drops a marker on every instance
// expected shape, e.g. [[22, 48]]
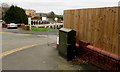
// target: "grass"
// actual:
[[3, 27], [44, 29]]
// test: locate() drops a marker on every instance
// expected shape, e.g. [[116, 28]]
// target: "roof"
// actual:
[[42, 14], [36, 19]]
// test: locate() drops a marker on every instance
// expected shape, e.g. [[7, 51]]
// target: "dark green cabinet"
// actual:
[[67, 40]]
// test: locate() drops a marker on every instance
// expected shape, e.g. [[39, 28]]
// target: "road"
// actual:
[[22, 50]]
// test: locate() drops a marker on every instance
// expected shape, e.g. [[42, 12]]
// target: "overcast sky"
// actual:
[[58, 6]]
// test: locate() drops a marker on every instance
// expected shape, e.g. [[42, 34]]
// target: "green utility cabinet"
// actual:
[[67, 40]]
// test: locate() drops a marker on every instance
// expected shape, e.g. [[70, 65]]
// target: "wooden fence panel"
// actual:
[[118, 22], [99, 26]]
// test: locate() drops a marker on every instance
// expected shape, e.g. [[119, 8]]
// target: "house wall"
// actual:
[[30, 12], [99, 26]]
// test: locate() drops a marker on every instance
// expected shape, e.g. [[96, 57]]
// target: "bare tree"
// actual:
[[5, 5], [4, 8], [51, 15]]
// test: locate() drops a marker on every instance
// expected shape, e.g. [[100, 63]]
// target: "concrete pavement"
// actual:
[[41, 57]]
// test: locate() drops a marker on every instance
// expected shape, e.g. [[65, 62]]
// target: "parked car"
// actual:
[[12, 26], [1, 20]]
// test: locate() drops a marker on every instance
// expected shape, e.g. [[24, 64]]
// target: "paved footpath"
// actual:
[[41, 57]]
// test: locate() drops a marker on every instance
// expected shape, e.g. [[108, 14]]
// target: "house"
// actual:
[[41, 14], [30, 12], [50, 16]]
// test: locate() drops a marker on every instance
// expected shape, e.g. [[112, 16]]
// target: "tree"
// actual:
[[51, 15], [60, 17], [16, 15], [4, 7]]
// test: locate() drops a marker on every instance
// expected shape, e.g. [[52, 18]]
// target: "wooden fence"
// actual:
[[99, 26]]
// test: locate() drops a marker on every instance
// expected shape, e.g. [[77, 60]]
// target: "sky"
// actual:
[[58, 6]]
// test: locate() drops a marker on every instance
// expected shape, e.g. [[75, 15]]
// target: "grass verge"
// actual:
[[44, 29], [3, 27]]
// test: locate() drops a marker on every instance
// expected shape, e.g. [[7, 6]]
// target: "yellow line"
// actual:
[[16, 33], [22, 34], [17, 49], [3, 32]]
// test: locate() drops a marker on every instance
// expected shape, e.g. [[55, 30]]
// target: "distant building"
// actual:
[[48, 18], [41, 14], [30, 12], [36, 21]]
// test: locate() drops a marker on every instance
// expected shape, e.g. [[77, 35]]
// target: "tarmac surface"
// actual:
[[29, 50]]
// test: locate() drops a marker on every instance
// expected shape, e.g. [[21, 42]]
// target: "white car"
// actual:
[[12, 25], [1, 20]]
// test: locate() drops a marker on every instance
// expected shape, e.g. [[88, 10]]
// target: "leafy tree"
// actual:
[[60, 17], [16, 15]]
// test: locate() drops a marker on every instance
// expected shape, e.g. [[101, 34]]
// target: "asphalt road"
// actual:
[[30, 51]]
